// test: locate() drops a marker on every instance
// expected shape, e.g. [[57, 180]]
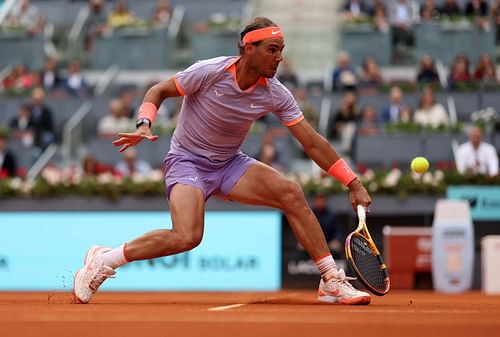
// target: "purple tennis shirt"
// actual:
[[216, 113]]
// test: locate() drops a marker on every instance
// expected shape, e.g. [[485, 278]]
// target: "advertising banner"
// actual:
[[42, 250], [484, 201]]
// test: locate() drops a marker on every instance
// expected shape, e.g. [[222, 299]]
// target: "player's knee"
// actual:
[[292, 196], [191, 240]]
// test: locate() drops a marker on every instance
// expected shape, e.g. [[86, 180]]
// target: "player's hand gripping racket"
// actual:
[[365, 259]]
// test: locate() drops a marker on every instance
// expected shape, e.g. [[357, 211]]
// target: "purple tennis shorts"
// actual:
[[200, 172]]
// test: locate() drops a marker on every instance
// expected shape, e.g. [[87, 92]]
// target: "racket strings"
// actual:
[[367, 263]]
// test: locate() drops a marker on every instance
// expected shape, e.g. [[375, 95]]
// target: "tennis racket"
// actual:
[[365, 259]]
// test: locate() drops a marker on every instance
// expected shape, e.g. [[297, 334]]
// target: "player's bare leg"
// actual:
[[187, 205], [263, 185]]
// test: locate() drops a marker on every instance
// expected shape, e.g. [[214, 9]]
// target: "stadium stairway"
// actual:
[[311, 31]]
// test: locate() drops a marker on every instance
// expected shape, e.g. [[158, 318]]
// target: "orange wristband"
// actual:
[[341, 171], [148, 110]]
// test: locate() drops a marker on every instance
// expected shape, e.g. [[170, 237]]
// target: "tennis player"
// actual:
[[223, 96]]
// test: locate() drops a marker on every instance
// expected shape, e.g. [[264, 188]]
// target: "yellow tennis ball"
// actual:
[[419, 164]]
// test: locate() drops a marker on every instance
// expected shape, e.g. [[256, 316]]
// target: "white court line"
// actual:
[[226, 307]]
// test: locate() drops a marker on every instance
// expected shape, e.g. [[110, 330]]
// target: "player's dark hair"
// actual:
[[256, 23]]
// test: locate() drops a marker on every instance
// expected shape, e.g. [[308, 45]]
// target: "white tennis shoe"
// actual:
[[339, 290], [92, 275]]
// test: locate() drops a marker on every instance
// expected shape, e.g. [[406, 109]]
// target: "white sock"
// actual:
[[116, 257], [326, 266]]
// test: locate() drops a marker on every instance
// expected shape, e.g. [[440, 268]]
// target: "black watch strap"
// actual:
[[142, 121]]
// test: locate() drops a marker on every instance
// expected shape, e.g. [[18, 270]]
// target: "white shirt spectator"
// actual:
[[111, 125], [434, 116], [482, 160]]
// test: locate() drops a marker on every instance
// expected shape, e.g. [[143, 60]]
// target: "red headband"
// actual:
[[261, 34]]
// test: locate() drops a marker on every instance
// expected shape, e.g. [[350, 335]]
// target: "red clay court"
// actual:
[[284, 313]]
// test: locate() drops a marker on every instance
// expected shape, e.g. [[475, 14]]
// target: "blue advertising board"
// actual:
[[484, 201], [42, 250]]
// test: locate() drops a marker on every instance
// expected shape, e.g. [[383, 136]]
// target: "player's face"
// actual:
[[267, 56]]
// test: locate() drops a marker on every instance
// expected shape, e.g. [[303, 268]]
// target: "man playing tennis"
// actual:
[[223, 96]]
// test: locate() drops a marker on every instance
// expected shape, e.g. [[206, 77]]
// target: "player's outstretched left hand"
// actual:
[[127, 140]]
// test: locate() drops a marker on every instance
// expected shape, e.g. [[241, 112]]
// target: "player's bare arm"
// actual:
[[319, 150], [155, 95]]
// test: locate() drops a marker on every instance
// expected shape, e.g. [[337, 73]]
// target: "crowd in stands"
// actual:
[[402, 14], [101, 22], [34, 124], [68, 82]]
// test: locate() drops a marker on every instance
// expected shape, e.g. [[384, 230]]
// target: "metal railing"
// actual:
[[42, 161], [72, 133], [76, 34], [106, 79], [6, 9], [175, 24]]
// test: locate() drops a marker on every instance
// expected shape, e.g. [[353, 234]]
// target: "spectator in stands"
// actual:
[[269, 154], [115, 122], [495, 14], [344, 75], [344, 123], [405, 115], [8, 165], [450, 9], [369, 124], [485, 70], [390, 114], [97, 22], [476, 156], [22, 125], [41, 119], [91, 166], [287, 75], [130, 165], [354, 9], [478, 9], [429, 11], [371, 76], [121, 16], [127, 100], [460, 71], [403, 14], [427, 72], [308, 109], [162, 14], [330, 224], [22, 79], [26, 15], [50, 78], [75, 83], [378, 14], [429, 112]]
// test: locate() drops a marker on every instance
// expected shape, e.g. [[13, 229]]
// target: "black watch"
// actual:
[[142, 121]]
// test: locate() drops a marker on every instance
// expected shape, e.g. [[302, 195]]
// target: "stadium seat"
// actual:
[[387, 150]]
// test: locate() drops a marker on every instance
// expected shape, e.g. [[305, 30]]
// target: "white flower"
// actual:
[[156, 175], [438, 177], [327, 182], [416, 176], [16, 183], [52, 175], [368, 175], [138, 178], [392, 178], [427, 178], [27, 186], [373, 187], [105, 178]]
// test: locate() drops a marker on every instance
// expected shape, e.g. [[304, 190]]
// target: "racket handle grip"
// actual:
[[361, 213]]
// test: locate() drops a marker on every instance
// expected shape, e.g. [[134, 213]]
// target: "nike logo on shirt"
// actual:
[[255, 106]]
